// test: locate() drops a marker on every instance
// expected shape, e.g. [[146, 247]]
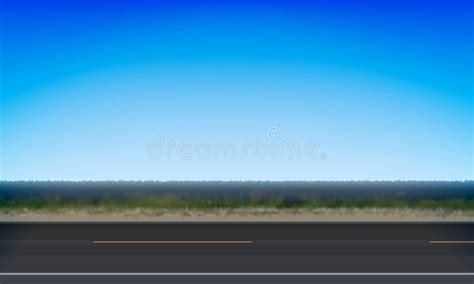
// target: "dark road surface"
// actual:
[[243, 252]]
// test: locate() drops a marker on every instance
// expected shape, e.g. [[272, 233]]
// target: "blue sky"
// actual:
[[382, 89]]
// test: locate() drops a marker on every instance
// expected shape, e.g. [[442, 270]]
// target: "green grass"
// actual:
[[175, 202]]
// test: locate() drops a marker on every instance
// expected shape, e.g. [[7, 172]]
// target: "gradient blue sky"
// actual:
[[385, 87]]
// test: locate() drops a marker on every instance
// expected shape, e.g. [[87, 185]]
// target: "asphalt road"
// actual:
[[401, 252]]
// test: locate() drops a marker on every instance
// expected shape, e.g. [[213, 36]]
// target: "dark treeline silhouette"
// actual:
[[408, 190]]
